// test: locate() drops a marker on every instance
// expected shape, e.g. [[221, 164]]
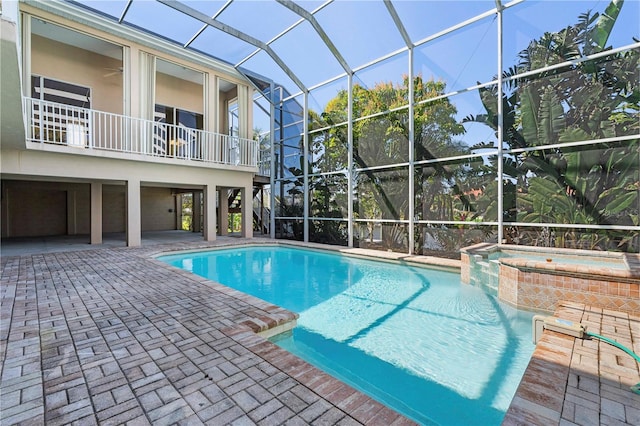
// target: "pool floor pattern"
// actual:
[[113, 336]]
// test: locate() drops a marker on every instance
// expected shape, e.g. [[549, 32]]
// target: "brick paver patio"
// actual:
[[573, 381], [112, 336]]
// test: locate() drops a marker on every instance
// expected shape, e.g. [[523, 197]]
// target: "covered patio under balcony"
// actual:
[[100, 194]]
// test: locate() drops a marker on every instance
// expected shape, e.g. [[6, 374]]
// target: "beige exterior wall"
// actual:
[[78, 66], [44, 208], [32, 208], [158, 209], [114, 209], [178, 93]]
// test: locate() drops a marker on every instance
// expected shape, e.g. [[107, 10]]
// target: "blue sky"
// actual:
[[363, 30], [463, 57]]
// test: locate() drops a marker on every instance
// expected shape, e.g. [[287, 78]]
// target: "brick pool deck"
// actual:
[[581, 381], [112, 336]]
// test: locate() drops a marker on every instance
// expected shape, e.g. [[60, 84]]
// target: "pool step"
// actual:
[[487, 274]]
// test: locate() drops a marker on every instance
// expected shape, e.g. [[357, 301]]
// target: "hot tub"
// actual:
[[537, 278]]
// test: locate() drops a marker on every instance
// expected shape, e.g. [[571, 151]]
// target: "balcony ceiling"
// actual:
[[74, 38], [296, 44]]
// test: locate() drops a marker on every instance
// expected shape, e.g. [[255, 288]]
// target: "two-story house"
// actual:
[[105, 129]]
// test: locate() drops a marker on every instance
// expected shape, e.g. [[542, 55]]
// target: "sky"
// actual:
[[363, 31], [461, 58]]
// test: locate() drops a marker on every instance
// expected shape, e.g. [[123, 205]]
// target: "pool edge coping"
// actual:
[[433, 262]]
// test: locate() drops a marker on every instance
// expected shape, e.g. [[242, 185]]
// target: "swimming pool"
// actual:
[[416, 339]]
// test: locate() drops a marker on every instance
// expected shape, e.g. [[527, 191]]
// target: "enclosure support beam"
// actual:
[[305, 164], [350, 186], [272, 165], [411, 194], [195, 14], [500, 130]]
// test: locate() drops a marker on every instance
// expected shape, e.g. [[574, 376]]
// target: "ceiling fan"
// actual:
[[112, 71]]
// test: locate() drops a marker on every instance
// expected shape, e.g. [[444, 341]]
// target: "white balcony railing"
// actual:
[[60, 124]]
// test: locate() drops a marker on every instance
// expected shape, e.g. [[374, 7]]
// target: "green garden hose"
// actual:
[[635, 388]]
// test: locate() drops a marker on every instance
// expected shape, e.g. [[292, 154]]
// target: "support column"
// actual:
[[196, 217], [209, 193], [131, 87], [178, 211], [247, 212], [214, 114], [72, 212], [134, 225], [96, 213], [223, 209]]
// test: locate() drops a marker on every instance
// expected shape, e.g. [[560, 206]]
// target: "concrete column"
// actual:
[[72, 213], [209, 193], [134, 225], [197, 207], [212, 116], [178, 211], [96, 213], [223, 208], [6, 229], [247, 211]]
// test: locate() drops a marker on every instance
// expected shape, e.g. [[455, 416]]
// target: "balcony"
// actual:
[[88, 129]]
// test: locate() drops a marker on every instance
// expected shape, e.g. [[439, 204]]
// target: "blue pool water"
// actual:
[[416, 339]]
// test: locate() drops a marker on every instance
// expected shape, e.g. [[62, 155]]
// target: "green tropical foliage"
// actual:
[[378, 140], [587, 100], [554, 176]]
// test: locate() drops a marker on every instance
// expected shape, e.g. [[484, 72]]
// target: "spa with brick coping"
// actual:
[[611, 281]]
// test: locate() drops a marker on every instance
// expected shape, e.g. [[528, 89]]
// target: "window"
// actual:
[[233, 117], [60, 111], [48, 89], [177, 138]]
